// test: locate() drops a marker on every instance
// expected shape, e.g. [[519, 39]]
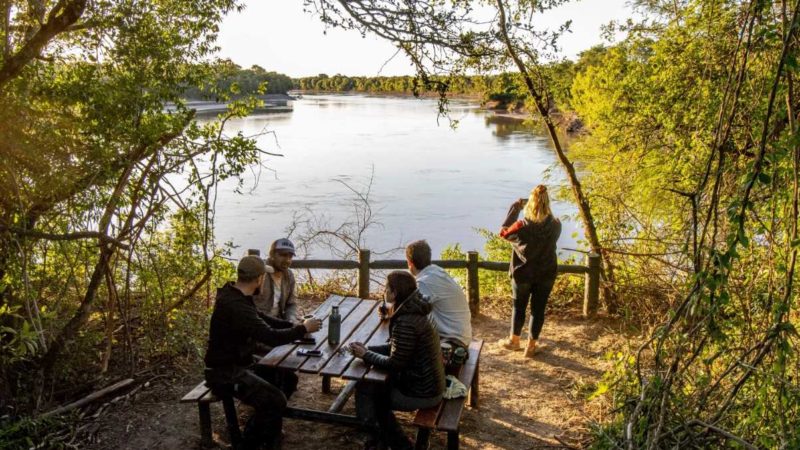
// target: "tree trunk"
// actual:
[[609, 296]]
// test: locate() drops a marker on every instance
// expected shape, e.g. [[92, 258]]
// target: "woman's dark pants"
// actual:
[[536, 294], [375, 402]]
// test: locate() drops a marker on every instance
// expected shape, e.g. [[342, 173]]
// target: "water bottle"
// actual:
[[334, 326]]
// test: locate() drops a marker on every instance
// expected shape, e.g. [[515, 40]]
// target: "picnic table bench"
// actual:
[[360, 323]]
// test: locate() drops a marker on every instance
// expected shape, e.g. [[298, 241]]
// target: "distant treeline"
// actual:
[[506, 89], [234, 81]]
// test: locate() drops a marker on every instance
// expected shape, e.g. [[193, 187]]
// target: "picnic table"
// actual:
[[360, 323]]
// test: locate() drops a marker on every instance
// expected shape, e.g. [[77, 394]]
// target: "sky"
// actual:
[[279, 36]]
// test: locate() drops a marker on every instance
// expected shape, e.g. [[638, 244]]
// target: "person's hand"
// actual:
[[383, 312], [519, 204], [358, 349], [312, 325]]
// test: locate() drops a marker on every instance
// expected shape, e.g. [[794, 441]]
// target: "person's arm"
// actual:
[[275, 322], [404, 338], [382, 349], [247, 319], [513, 214]]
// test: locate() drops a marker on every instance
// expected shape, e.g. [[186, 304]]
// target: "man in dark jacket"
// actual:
[[236, 327]]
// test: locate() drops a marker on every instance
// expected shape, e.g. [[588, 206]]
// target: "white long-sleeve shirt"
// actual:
[[450, 314]]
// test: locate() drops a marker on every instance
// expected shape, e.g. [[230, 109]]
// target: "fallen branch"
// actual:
[[90, 398]]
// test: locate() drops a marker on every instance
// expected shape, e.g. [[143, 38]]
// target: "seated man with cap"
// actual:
[[236, 326], [277, 297]]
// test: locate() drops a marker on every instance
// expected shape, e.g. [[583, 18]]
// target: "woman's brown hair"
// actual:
[[402, 284]]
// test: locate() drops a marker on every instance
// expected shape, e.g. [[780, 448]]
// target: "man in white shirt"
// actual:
[[450, 314]]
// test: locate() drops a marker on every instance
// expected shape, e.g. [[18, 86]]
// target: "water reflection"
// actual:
[[505, 126]]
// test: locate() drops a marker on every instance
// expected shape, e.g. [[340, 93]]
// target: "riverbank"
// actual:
[[273, 103]]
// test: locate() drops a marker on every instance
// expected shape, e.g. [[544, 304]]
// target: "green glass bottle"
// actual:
[[334, 326]]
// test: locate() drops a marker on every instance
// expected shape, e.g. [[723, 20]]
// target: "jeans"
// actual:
[[376, 402], [266, 390], [535, 293]]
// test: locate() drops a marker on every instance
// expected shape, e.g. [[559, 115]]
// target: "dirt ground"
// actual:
[[524, 403]]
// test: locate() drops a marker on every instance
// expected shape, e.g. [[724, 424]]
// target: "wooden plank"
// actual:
[[426, 418], [343, 396], [195, 394], [358, 368], [338, 363], [323, 264], [349, 324], [277, 354], [451, 410], [293, 361]]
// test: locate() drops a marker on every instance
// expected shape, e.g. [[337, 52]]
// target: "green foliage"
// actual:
[[496, 286], [702, 231], [232, 80]]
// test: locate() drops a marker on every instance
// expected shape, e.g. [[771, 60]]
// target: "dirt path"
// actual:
[[524, 403]]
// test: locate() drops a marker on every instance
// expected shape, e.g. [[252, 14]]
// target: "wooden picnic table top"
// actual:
[[360, 323]]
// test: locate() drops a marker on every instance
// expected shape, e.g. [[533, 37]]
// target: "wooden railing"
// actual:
[[591, 272]]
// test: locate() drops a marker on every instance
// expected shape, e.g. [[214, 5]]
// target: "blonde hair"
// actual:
[[538, 207]]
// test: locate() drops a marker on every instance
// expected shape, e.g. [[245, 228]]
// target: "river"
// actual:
[[429, 180]]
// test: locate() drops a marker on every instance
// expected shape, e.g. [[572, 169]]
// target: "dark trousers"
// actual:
[[375, 403], [536, 294], [266, 390]]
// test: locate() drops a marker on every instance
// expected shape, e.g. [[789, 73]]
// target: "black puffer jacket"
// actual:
[[414, 360], [534, 259]]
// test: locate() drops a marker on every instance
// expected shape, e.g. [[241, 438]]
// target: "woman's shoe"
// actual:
[[531, 349], [510, 343]]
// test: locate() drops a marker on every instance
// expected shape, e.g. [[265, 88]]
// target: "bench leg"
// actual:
[[473, 392], [232, 421], [423, 436], [452, 440], [205, 425], [326, 384]]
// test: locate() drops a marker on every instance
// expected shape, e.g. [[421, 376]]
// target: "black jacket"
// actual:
[[236, 328], [414, 360], [534, 257]]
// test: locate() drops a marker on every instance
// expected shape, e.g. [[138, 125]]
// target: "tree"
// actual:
[[451, 38], [94, 136]]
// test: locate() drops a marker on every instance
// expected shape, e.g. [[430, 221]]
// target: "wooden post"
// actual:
[[363, 273], [592, 285], [473, 284]]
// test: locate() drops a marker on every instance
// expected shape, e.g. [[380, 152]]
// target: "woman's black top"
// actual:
[[534, 257], [414, 360]]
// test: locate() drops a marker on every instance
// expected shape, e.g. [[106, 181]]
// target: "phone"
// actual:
[[306, 352], [305, 341]]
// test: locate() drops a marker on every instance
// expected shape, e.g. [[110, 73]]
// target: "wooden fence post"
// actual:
[[592, 285], [363, 273], [473, 284]]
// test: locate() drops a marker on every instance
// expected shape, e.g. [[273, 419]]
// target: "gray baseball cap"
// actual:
[[283, 245]]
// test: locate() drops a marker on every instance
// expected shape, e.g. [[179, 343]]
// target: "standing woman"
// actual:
[[533, 263]]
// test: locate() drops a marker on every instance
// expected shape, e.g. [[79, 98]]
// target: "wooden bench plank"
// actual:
[[426, 418], [196, 394], [338, 363], [277, 354], [452, 408], [348, 325], [293, 361], [358, 368]]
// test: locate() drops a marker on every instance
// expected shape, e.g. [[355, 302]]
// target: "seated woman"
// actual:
[[413, 360]]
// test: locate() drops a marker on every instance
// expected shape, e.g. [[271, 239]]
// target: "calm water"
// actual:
[[430, 181]]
